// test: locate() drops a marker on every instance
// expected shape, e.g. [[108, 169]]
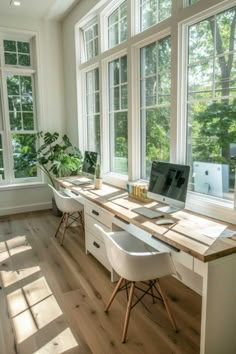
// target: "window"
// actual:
[[153, 11], [211, 105], [117, 25], [118, 115], [16, 53], [91, 40], [18, 128], [155, 103], [93, 110], [191, 2]]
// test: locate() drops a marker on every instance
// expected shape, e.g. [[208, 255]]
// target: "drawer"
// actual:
[[97, 248], [178, 256], [99, 213], [90, 226]]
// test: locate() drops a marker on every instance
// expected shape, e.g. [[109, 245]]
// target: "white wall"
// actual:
[[51, 105]]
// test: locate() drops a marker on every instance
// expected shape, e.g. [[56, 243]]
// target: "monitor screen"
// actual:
[[89, 163], [168, 184]]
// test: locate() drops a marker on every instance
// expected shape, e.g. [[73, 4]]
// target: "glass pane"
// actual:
[[123, 69], [28, 121], [155, 93], [123, 30], [123, 10], [10, 58], [211, 107], [201, 40], [115, 72], [9, 46], [23, 47], [13, 85], [124, 97], [14, 103], [116, 98], [95, 47], [94, 133], [24, 59], [113, 36], [164, 9], [113, 18], [15, 121], [120, 153], [96, 78], [149, 10], [24, 155], [149, 62]]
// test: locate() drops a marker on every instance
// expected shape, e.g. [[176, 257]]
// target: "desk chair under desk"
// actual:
[[211, 263]]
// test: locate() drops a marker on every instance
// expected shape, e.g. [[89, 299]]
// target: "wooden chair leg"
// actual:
[[166, 305], [118, 285], [153, 299], [65, 227], [58, 228], [128, 309]]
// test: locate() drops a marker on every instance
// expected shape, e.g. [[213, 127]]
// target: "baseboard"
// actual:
[[25, 208]]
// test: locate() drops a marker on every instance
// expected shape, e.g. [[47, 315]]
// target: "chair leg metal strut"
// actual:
[[152, 284]]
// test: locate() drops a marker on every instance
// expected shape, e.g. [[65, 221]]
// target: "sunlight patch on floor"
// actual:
[[59, 344], [11, 277]]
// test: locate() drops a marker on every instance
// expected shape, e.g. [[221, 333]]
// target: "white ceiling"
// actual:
[[48, 9]]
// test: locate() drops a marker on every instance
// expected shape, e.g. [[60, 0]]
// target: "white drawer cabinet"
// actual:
[[94, 243]]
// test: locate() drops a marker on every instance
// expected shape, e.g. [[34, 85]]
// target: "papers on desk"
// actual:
[[218, 231]]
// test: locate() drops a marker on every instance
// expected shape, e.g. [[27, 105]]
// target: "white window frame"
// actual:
[[209, 205], [20, 70]]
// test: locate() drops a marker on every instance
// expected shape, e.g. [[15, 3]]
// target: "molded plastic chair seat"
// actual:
[[69, 207], [134, 261]]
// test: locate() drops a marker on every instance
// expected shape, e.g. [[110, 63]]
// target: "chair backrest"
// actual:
[[135, 266], [65, 203]]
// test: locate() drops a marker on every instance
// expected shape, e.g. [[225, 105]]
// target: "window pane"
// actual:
[[17, 53], [91, 41], [211, 106], [118, 109], [24, 157], [117, 25], [93, 110], [153, 11], [155, 103], [20, 102]]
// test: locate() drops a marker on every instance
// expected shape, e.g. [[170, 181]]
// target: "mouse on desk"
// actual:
[[165, 221]]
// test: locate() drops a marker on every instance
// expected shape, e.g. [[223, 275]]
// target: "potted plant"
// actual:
[[57, 157], [98, 178]]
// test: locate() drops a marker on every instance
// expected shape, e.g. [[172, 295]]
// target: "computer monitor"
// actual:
[[89, 163], [168, 184]]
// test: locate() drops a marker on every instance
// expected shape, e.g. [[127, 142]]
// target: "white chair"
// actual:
[[132, 261], [70, 207]]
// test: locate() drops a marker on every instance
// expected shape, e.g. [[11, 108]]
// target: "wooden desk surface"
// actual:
[[187, 234]]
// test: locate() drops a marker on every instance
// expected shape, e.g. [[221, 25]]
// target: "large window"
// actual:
[[153, 11], [212, 104], [18, 126], [118, 115], [117, 25], [93, 110], [167, 92], [155, 103]]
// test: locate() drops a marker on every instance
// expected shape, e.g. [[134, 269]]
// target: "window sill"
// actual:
[[28, 185], [212, 207], [116, 179]]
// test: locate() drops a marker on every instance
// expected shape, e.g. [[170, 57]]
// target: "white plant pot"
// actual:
[[98, 183]]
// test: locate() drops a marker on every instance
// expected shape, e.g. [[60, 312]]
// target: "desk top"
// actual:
[[187, 234]]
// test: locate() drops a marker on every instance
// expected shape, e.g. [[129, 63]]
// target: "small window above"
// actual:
[[117, 26], [17, 53], [91, 40], [153, 12]]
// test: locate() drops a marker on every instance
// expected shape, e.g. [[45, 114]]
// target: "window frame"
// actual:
[[7, 133]]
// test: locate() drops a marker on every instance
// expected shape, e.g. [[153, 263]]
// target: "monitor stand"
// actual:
[[169, 209]]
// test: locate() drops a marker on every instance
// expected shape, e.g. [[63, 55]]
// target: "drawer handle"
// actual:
[[95, 212], [96, 244]]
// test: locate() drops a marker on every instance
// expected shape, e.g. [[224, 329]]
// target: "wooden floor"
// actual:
[[52, 299]]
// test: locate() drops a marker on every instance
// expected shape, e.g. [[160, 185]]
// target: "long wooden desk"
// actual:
[[213, 260]]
